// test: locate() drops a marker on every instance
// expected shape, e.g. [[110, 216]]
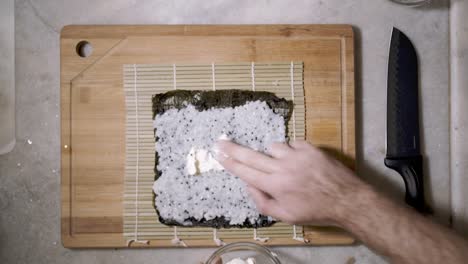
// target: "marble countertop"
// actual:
[[7, 76], [29, 175], [459, 117]]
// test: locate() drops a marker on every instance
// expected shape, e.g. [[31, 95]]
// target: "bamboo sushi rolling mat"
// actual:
[[141, 81]]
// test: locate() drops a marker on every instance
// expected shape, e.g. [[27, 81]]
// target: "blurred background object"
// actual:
[[7, 76], [411, 2], [459, 110]]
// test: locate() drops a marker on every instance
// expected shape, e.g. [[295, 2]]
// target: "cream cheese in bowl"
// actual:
[[243, 253], [241, 261]]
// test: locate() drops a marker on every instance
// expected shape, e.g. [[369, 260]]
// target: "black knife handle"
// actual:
[[411, 170]]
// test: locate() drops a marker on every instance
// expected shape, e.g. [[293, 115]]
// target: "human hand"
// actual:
[[300, 184], [296, 183]]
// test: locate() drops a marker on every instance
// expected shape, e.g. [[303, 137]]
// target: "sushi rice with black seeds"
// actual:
[[187, 120]]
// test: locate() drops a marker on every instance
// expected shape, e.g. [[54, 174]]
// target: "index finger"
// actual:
[[247, 156], [249, 175]]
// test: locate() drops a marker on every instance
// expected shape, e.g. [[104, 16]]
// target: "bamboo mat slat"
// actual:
[[140, 219]]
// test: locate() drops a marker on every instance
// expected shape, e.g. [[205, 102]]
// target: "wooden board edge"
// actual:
[[348, 101], [65, 177], [284, 30], [328, 235], [116, 240], [66, 85]]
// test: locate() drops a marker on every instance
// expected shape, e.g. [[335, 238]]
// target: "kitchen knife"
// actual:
[[403, 150]]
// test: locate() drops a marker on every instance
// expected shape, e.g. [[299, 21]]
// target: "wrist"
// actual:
[[353, 205]]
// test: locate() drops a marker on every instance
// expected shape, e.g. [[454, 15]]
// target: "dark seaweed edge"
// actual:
[[217, 222], [205, 100]]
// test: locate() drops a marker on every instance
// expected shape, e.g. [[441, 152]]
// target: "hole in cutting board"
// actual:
[[84, 49]]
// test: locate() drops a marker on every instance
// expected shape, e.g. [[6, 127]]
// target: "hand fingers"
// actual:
[[267, 205], [279, 150], [247, 156], [300, 144], [258, 195], [250, 175], [263, 201]]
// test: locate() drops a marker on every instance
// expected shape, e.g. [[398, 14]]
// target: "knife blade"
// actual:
[[403, 140]]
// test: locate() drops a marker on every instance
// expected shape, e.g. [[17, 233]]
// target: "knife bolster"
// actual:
[[410, 168]]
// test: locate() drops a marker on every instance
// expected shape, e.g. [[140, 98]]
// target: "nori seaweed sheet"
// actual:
[[205, 100]]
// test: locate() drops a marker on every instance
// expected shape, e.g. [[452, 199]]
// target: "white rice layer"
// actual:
[[211, 194]]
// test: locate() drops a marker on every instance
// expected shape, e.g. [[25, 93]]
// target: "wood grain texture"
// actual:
[[93, 108]]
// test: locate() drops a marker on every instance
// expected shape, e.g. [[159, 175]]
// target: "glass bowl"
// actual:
[[243, 250], [411, 2]]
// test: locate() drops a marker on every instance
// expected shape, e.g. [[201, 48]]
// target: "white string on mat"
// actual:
[[293, 115], [176, 240], [292, 98], [299, 238], [252, 72], [216, 239], [137, 167], [174, 75], [257, 238], [213, 76]]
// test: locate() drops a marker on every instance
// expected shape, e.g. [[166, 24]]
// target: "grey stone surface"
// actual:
[[29, 175], [459, 117], [7, 76]]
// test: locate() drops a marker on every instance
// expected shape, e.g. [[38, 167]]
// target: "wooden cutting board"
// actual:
[[93, 107]]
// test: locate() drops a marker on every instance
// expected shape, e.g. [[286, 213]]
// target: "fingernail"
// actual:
[[218, 153], [224, 137]]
